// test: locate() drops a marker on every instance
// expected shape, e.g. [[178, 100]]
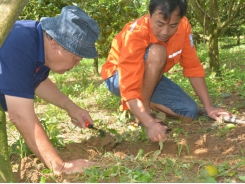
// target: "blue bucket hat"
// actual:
[[74, 30]]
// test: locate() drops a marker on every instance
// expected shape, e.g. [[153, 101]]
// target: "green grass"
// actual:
[[89, 92]]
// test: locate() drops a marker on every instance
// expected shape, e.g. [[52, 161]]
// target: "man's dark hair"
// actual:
[[167, 7], [47, 35]]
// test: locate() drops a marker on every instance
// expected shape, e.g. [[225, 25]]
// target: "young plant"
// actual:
[[20, 148], [180, 148]]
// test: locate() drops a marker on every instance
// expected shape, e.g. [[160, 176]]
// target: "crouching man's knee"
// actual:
[[156, 54]]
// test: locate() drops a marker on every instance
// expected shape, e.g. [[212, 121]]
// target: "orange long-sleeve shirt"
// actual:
[[128, 49]]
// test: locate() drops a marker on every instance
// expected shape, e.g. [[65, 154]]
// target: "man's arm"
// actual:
[[200, 87], [156, 131], [21, 113], [48, 91]]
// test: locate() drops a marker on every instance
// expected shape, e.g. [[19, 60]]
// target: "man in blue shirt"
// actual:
[[30, 51]]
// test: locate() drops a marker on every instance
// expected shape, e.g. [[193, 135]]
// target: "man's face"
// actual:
[[164, 29], [60, 60], [66, 61]]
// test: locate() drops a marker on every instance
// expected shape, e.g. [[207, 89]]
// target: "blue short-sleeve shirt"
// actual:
[[22, 61]]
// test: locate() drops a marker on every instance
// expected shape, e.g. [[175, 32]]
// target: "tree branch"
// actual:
[[236, 14], [230, 9], [197, 6]]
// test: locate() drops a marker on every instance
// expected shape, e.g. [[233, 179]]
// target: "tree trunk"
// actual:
[[215, 17], [214, 54], [238, 40], [96, 66], [6, 173], [9, 11]]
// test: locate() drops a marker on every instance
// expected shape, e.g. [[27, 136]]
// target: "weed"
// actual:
[[20, 148], [242, 178], [158, 152], [53, 132], [180, 147], [42, 179], [176, 133], [221, 132], [242, 152], [143, 135]]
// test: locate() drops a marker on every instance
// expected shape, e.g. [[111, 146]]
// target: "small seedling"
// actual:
[[227, 128], [20, 148], [180, 147], [158, 152]]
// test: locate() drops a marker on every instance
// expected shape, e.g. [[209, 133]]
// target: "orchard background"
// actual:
[[211, 21]]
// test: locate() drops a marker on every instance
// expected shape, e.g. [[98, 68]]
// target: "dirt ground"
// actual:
[[203, 139]]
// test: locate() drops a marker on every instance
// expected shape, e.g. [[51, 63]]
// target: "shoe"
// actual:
[[186, 120], [201, 112], [161, 116]]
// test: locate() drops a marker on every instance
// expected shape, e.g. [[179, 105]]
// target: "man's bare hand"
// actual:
[[216, 112], [157, 132], [75, 166]]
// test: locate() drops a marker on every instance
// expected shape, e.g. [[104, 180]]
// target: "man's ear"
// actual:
[[53, 46]]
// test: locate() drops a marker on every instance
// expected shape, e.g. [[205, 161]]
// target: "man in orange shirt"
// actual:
[[142, 52]]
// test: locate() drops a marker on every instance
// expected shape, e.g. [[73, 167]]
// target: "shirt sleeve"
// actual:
[[131, 66], [189, 59], [17, 57]]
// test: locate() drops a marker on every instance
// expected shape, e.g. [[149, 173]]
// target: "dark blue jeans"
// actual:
[[166, 93]]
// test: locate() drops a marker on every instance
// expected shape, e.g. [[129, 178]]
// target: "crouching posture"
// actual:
[[30, 51], [140, 55]]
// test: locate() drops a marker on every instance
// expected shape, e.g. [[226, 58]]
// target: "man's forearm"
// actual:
[[49, 92], [23, 116], [40, 145], [200, 87], [137, 108]]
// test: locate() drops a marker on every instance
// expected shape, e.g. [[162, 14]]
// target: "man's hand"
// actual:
[[215, 113], [50, 93], [75, 166], [200, 87], [157, 132], [80, 115]]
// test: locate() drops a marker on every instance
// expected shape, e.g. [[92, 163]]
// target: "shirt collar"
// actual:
[[40, 48]]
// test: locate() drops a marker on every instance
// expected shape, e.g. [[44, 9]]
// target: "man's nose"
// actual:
[[164, 30], [79, 61]]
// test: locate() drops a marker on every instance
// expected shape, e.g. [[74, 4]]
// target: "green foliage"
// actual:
[[35, 9], [53, 132], [110, 15], [209, 11], [42, 180], [180, 148], [19, 147], [158, 152], [124, 173]]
